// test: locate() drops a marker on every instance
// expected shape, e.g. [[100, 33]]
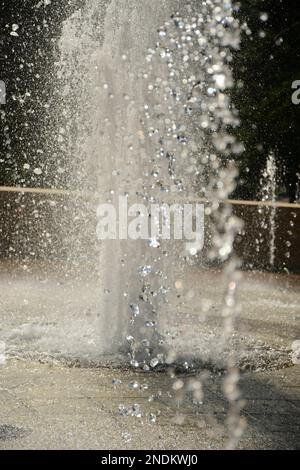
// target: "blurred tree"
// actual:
[[267, 65], [264, 69], [29, 30]]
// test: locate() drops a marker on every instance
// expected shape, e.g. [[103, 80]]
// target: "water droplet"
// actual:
[[133, 386], [154, 362], [127, 436], [134, 363], [145, 270], [264, 16], [152, 418], [135, 309], [116, 382], [153, 243], [136, 411], [178, 385]]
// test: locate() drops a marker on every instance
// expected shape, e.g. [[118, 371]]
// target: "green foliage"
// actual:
[[267, 64]]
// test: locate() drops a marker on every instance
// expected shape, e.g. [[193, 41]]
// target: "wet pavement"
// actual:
[[60, 391], [47, 406]]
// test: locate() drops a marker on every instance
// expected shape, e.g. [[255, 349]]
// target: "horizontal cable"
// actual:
[[65, 192]]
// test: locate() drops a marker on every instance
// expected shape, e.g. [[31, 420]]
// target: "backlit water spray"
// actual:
[[189, 124], [269, 187], [146, 116]]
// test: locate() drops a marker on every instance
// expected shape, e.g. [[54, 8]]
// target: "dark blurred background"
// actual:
[[29, 33], [46, 226], [265, 68]]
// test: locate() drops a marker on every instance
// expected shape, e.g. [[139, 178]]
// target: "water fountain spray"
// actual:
[[148, 119]]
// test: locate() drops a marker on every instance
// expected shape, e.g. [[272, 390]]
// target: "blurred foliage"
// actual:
[[265, 67], [26, 67]]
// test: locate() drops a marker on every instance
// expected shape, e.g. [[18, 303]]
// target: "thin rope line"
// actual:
[[65, 192]]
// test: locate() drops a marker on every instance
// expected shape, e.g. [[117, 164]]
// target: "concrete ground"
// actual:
[[47, 406], [57, 391]]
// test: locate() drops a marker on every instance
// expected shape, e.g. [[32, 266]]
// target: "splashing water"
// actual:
[[297, 198], [146, 116], [189, 124], [269, 195]]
